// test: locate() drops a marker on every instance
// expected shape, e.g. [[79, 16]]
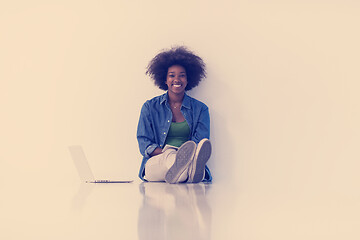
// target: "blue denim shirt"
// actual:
[[155, 120]]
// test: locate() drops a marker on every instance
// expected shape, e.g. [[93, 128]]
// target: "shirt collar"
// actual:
[[186, 102]]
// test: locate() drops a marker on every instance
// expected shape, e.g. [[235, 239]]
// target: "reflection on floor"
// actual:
[[140, 210], [174, 211]]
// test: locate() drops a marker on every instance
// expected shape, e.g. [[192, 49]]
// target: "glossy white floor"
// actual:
[[37, 210]]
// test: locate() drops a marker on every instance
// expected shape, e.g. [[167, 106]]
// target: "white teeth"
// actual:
[[177, 85]]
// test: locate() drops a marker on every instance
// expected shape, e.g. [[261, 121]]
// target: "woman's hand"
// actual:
[[157, 151]]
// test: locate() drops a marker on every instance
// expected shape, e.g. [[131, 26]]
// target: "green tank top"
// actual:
[[178, 134]]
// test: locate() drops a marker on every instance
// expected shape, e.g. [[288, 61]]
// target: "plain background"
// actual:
[[282, 87]]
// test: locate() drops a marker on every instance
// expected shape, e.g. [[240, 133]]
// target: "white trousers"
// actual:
[[157, 167]]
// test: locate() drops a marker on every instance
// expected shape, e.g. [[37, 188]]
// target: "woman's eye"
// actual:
[[171, 76]]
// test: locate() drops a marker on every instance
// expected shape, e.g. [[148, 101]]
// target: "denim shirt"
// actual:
[[155, 120]]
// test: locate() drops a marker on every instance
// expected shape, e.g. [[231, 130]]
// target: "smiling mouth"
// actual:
[[177, 85]]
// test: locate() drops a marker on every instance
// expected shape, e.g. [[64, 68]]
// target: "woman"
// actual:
[[174, 128]]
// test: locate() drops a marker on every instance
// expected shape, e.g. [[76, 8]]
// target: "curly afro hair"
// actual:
[[194, 66]]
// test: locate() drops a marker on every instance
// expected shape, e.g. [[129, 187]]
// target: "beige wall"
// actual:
[[282, 86]]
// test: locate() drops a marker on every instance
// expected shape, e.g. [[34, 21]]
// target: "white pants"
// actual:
[[157, 167]]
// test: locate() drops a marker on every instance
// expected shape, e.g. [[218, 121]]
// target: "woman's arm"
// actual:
[[202, 129], [145, 133]]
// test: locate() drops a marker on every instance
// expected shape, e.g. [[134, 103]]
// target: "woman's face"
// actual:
[[176, 79]]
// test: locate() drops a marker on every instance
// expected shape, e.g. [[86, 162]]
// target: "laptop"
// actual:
[[84, 169]]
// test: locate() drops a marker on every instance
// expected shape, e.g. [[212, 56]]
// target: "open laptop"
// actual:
[[84, 169]]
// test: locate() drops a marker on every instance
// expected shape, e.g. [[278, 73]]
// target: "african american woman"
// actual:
[[174, 129]]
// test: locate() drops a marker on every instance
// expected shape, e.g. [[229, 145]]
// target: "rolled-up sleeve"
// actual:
[[145, 132]]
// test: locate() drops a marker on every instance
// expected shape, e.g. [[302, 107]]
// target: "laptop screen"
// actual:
[[81, 163]]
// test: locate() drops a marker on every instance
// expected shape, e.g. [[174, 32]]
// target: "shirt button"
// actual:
[[164, 132], [168, 120]]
